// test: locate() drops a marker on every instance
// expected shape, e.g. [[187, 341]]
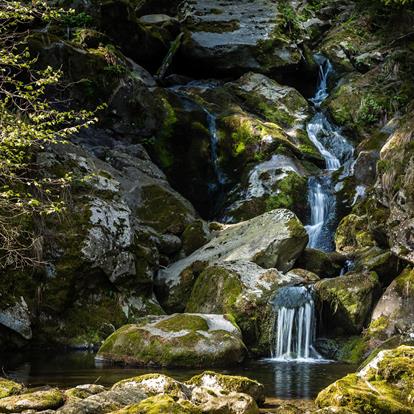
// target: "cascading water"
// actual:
[[294, 331], [337, 153], [295, 328]]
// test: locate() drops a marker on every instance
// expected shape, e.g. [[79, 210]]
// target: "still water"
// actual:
[[284, 380]]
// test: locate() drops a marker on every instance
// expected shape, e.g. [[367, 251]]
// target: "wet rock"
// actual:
[[346, 301], [38, 400], [274, 239], [181, 340], [232, 403], [242, 289], [383, 385]]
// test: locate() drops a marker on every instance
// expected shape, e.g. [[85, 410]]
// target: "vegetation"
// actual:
[[32, 117]]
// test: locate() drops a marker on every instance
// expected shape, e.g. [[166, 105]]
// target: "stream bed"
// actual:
[[282, 380]]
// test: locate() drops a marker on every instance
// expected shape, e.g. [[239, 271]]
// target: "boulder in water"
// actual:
[[274, 239], [180, 340], [8, 387]]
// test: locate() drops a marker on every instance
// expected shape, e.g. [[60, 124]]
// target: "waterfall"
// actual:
[[337, 152], [212, 127], [295, 327]]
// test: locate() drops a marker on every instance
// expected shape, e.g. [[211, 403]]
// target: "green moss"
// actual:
[[160, 404], [39, 400], [181, 322], [405, 283], [353, 350], [8, 388]]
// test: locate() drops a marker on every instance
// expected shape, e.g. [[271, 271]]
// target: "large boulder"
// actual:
[[383, 386], [394, 313], [274, 239], [180, 340], [243, 290], [236, 37], [346, 301], [322, 263]]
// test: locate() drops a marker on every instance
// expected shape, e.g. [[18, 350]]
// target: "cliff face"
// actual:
[[206, 119]]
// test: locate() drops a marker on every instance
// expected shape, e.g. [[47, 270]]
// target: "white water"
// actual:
[[295, 329], [337, 153], [212, 127]]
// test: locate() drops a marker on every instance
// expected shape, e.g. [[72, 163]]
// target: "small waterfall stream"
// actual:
[[295, 328], [337, 152]]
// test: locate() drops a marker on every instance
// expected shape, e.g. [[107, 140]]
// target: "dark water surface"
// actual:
[[285, 380]]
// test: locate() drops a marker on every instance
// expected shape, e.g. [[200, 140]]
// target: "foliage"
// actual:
[[30, 120]]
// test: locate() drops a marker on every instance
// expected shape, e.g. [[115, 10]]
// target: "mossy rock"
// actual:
[[50, 399], [346, 301], [227, 384], [163, 211], [382, 386], [180, 340], [195, 235], [325, 265], [8, 388], [155, 384], [160, 404]]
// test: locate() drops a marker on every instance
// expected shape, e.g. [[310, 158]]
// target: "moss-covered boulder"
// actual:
[[226, 384], [394, 313], [383, 386], [346, 301], [162, 404], [322, 263], [8, 388], [155, 384], [180, 340], [243, 290], [274, 239], [50, 399]]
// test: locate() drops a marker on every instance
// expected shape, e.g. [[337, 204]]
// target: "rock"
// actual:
[[243, 290], [346, 301], [104, 402], [274, 239], [323, 264], [38, 400], [235, 38], [394, 313], [395, 188], [226, 384], [155, 384], [83, 391], [8, 388], [383, 386], [17, 318], [305, 275], [162, 404], [380, 261], [233, 403], [195, 235], [180, 340]]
